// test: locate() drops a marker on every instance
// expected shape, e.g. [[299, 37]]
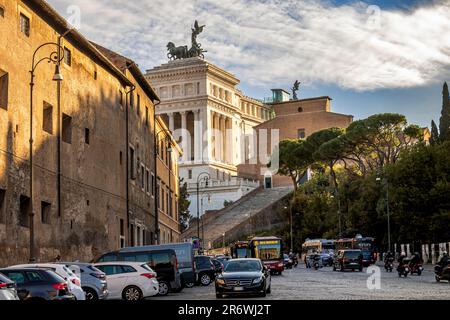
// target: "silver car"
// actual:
[[93, 280], [7, 289]]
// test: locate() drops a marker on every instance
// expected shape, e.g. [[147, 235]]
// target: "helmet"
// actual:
[[403, 253]]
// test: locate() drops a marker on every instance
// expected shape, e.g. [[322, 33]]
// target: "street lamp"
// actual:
[[387, 211], [55, 57], [203, 214], [204, 176], [169, 150], [291, 225]]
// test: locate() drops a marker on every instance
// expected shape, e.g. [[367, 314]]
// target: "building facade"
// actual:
[[294, 119], [213, 122], [88, 151]]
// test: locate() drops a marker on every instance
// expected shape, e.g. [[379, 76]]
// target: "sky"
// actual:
[[368, 56]]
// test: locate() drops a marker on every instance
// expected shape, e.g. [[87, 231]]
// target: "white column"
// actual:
[[217, 147], [184, 142], [207, 118], [198, 137], [222, 135], [171, 121]]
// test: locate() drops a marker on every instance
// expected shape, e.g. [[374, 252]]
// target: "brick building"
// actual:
[[294, 119], [93, 193]]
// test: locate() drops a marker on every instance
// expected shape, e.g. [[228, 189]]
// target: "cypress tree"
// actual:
[[434, 133], [444, 125]]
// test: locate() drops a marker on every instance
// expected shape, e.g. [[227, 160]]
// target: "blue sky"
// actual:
[[370, 57]]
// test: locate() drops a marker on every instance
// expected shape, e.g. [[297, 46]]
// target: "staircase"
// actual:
[[241, 211]]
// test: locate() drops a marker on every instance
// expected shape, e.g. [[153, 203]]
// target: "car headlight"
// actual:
[[220, 281], [258, 280]]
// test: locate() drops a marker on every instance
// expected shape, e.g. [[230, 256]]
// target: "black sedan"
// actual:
[[243, 276]]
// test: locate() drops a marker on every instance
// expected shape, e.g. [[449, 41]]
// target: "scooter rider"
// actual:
[[389, 255], [444, 260], [416, 259]]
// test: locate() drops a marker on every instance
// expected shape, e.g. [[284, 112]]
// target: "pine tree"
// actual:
[[434, 133], [444, 126]]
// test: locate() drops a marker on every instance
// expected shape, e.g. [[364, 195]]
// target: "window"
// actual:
[[301, 134], [132, 242], [142, 178], [66, 128], [24, 24], [4, 81], [121, 98], [300, 109], [132, 165], [95, 75], [86, 135], [120, 157], [147, 180], [2, 12], [16, 276], [128, 269], [122, 234], [146, 115], [163, 200], [190, 174], [2, 205], [47, 120], [110, 270], [45, 212], [24, 211], [67, 57], [138, 236], [34, 276], [131, 100], [153, 183], [138, 107]]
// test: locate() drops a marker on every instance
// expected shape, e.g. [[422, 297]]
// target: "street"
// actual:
[[307, 284]]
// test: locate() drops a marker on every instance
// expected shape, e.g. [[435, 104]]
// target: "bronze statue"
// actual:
[[182, 52], [295, 89]]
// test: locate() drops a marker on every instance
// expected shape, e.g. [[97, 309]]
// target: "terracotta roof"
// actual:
[[124, 63]]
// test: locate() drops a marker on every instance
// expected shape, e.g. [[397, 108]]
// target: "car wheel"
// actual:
[[419, 273], [263, 294], [164, 288], [90, 294], [132, 293], [205, 279]]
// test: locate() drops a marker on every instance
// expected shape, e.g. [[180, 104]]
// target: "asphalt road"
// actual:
[[307, 284]]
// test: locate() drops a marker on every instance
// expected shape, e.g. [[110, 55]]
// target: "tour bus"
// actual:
[[365, 244], [240, 249], [318, 246], [269, 250]]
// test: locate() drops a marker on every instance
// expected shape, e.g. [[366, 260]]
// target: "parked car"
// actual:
[[206, 271], [93, 280], [7, 289], [129, 281], [368, 258], [72, 280], [163, 261], [217, 265], [222, 259], [348, 259], [38, 284], [185, 258], [244, 276]]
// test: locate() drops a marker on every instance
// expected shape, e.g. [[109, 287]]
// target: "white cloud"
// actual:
[[272, 42]]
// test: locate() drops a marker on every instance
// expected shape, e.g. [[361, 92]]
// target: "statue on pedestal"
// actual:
[[182, 52]]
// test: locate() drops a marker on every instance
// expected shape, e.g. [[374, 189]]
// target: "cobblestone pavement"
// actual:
[[302, 283]]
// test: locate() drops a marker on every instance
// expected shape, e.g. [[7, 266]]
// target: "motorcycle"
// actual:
[[403, 268], [442, 273], [416, 268], [389, 264]]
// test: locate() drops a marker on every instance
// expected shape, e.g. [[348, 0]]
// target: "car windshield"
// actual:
[[352, 254], [243, 266]]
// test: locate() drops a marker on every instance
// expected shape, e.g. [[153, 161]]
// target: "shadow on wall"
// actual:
[[93, 152]]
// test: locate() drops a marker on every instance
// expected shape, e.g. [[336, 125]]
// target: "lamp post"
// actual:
[[55, 57], [203, 227], [291, 225], [204, 176], [169, 150], [387, 211]]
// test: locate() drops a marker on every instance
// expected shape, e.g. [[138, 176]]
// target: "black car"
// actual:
[[348, 260], [38, 284], [163, 262], [206, 271], [218, 265], [244, 276]]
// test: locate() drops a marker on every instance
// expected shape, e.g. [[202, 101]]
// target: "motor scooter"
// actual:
[[389, 264], [442, 273], [403, 268], [416, 268]]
